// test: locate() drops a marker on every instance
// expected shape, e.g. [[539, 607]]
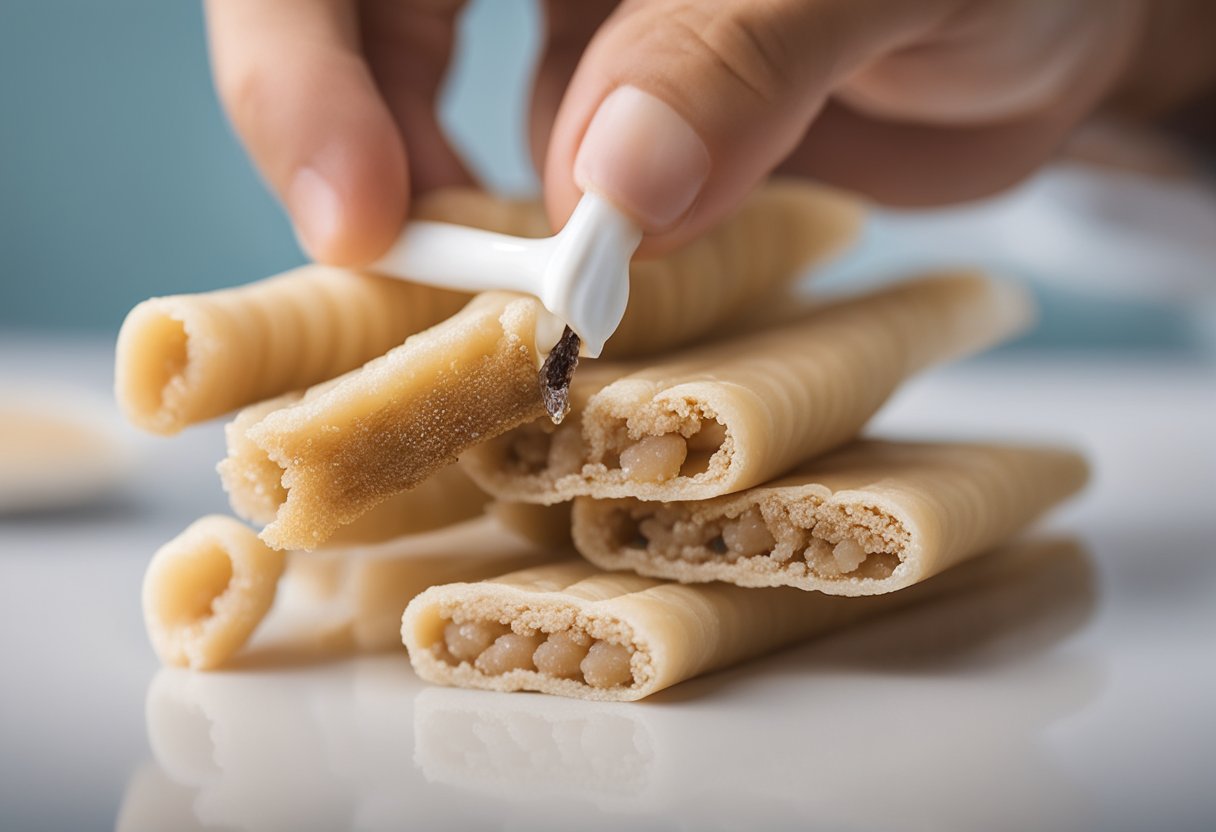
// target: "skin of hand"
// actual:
[[673, 109]]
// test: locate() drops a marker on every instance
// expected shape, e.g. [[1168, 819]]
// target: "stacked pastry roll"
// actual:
[[705, 500]]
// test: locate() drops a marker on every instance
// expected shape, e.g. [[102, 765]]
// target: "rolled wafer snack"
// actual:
[[573, 630], [720, 418], [351, 599], [206, 590], [188, 358], [871, 518], [383, 429], [255, 492], [783, 228]]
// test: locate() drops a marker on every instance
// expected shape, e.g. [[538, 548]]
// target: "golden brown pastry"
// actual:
[[716, 419], [356, 441], [871, 518], [255, 492], [400, 419]]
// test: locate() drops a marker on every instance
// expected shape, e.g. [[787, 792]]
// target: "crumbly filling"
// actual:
[[494, 649], [847, 543], [687, 449]]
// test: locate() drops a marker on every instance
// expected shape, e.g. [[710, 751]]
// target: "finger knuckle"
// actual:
[[744, 44]]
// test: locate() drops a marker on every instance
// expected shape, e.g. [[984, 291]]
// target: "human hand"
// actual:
[[672, 109]]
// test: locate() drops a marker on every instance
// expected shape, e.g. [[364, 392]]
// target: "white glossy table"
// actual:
[[1085, 700]]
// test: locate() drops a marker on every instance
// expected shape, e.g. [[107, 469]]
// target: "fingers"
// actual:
[[299, 94], [678, 109], [916, 164], [978, 124], [408, 46], [569, 27]]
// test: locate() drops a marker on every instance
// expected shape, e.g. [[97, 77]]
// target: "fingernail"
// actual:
[[644, 157], [315, 211]]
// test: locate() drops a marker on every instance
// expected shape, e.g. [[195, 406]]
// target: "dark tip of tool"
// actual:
[[556, 374]]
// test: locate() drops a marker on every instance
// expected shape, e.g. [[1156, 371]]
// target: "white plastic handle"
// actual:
[[581, 274]]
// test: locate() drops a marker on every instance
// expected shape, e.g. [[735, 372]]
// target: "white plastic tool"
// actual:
[[581, 274]]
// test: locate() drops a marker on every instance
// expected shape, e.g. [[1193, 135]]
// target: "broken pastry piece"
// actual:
[[343, 450], [206, 590], [570, 629], [351, 444], [255, 492], [720, 418], [872, 518]]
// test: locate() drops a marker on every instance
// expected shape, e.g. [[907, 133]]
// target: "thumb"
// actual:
[[677, 109]]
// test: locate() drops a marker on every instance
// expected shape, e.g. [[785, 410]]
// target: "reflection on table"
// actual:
[[361, 743]]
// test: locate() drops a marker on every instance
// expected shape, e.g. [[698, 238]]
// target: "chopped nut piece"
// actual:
[[562, 653], [654, 458], [748, 535], [849, 555], [607, 665], [509, 652], [469, 640]]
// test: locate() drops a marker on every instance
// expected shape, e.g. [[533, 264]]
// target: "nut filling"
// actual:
[[865, 545], [494, 649], [691, 449]]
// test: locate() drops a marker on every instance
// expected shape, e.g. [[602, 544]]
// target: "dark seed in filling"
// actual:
[[556, 374], [718, 545]]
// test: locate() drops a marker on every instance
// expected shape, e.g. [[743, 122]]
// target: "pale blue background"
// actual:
[[119, 178]]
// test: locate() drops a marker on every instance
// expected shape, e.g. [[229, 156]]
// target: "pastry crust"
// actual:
[[206, 590], [669, 632], [255, 492], [872, 518], [717, 419], [782, 229], [384, 429], [356, 441]]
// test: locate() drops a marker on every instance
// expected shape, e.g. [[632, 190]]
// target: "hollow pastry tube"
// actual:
[[717, 419], [206, 590], [184, 359], [872, 518]]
